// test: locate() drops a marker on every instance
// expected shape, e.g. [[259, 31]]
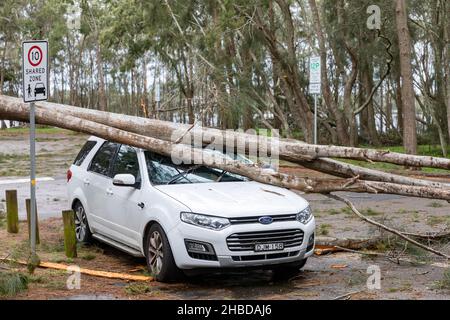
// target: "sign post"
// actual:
[[35, 88], [315, 87]]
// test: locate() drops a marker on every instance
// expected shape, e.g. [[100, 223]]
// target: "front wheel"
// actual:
[[288, 271], [160, 261]]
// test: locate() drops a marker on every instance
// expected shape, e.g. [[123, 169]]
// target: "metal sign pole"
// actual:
[[315, 119], [35, 84], [32, 179]]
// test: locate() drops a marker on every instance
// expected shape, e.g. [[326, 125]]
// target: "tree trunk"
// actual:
[[185, 153], [345, 170], [102, 100], [290, 150], [341, 125], [408, 96]]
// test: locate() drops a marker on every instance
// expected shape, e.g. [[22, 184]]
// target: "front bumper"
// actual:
[[231, 259]]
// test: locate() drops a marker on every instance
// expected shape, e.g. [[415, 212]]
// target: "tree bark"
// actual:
[[408, 96], [18, 110], [345, 170], [341, 126], [290, 150]]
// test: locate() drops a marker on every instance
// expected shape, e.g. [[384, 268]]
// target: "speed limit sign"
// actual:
[[35, 70]]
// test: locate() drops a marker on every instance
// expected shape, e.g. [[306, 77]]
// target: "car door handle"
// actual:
[[141, 205], [109, 192], [86, 182]]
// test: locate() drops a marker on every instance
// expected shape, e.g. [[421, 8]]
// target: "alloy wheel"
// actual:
[[80, 223], [155, 252]]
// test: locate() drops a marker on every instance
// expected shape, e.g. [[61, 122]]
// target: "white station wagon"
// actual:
[[183, 218]]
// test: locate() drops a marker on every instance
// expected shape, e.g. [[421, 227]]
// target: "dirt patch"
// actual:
[[326, 277]]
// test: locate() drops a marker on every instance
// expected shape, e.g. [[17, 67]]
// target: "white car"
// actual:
[[183, 218]]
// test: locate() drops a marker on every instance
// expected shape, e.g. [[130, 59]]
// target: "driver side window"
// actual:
[[127, 162]]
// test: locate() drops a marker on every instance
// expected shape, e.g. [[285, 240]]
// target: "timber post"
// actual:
[[70, 239], [12, 211]]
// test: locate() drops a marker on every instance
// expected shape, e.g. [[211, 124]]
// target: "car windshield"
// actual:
[[162, 170]]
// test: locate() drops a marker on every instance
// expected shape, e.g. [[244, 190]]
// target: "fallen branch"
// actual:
[[388, 229], [431, 236], [95, 273], [348, 295], [354, 244]]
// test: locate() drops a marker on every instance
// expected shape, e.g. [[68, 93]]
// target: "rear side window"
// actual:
[[88, 146], [101, 163]]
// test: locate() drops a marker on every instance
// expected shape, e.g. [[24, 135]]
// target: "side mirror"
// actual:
[[124, 180]]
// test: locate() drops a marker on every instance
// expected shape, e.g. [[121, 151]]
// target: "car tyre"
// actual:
[[288, 271], [160, 261], [82, 229]]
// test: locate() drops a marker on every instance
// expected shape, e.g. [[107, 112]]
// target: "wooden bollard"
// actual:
[[28, 206], [70, 238], [12, 211]]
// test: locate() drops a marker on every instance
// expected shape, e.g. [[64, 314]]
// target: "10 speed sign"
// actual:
[[35, 70]]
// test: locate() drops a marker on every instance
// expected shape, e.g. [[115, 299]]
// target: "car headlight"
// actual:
[[305, 216], [204, 221]]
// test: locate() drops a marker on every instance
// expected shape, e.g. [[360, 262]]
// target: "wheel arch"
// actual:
[[145, 233], [74, 201]]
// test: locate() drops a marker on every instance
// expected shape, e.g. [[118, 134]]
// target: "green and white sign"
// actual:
[[315, 80]]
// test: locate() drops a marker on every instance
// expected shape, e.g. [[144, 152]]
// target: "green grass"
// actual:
[[137, 288], [39, 130], [436, 205], [444, 284], [324, 229], [334, 212], [437, 220], [12, 283], [88, 256], [371, 213]]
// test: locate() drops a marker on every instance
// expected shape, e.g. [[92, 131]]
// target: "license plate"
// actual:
[[269, 247]]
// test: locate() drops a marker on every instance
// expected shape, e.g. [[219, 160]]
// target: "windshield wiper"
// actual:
[[221, 176], [183, 174]]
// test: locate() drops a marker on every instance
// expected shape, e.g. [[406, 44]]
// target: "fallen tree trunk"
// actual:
[[186, 154], [289, 149], [171, 132], [345, 170], [353, 244]]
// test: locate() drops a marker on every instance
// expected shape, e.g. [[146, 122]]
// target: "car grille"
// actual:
[[246, 241], [261, 257], [248, 220]]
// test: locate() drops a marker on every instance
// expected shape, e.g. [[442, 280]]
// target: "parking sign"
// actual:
[[315, 75], [35, 71]]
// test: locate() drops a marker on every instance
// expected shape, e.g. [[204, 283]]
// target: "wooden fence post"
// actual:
[[70, 238], [12, 211], [28, 206]]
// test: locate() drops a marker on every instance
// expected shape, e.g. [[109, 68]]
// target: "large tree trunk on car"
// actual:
[[290, 150], [16, 110]]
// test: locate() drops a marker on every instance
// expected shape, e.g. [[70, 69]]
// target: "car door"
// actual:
[[125, 203], [96, 184]]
